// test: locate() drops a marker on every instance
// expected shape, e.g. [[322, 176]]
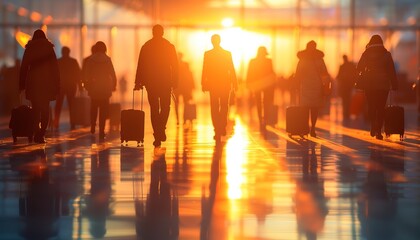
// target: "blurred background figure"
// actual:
[[40, 78], [261, 82], [309, 72], [100, 83], [185, 85], [378, 80], [70, 75], [9, 87], [346, 78], [219, 79]]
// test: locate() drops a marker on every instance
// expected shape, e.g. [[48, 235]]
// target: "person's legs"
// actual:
[[314, 118], [215, 109], [382, 97], [94, 105], [346, 99], [70, 99], [36, 109], [370, 97], [154, 116], [41, 110], [258, 103], [224, 109], [103, 113], [57, 109], [165, 103]]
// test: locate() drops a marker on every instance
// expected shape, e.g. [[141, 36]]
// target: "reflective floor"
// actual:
[[341, 185]]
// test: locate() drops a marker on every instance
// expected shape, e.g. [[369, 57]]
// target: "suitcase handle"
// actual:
[[141, 106], [391, 96]]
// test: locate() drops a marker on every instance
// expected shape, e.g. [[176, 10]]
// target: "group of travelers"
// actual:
[[159, 70]]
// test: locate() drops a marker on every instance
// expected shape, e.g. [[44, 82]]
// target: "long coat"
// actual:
[[260, 74], [157, 67], [381, 68], [309, 71], [218, 71], [39, 72], [101, 79]]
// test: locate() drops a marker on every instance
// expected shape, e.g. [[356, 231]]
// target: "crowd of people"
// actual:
[[161, 71]]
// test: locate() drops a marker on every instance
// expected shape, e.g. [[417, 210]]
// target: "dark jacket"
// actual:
[[309, 71], [260, 74], [39, 72], [157, 68], [70, 74], [346, 77], [218, 71], [101, 79], [380, 66]]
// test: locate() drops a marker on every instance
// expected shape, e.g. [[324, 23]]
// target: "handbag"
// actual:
[[326, 85]]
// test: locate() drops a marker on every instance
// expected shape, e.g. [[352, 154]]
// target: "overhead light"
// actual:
[[227, 22]]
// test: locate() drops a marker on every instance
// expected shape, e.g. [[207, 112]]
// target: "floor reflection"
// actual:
[[254, 185]]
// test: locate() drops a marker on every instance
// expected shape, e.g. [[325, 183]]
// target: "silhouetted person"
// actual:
[[100, 83], [157, 70], [380, 80], [218, 78], [309, 72], [40, 77], [346, 78], [122, 87], [260, 80], [70, 75], [185, 84], [84, 66], [9, 87]]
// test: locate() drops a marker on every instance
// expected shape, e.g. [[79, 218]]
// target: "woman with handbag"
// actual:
[[314, 80], [378, 76]]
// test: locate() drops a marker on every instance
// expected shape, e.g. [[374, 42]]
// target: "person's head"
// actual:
[[375, 40], [215, 40], [65, 51], [262, 51], [39, 34], [157, 30], [311, 45], [93, 49], [345, 58], [100, 47]]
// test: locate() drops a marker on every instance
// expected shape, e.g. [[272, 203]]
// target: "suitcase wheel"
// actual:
[[401, 137]]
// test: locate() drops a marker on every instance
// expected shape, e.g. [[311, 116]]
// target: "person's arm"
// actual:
[[24, 67], [232, 72], [113, 75], [174, 67], [204, 84], [392, 72], [77, 74], [138, 83]]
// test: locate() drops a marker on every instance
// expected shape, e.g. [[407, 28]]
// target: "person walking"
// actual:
[[377, 68], [40, 78], [157, 70], [261, 80], [185, 85], [101, 81], [310, 72], [346, 78], [218, 78], [70, 75]]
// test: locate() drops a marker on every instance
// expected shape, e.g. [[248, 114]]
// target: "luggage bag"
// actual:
[[22, 123], [394, 121], [132, 124], [297, 120]]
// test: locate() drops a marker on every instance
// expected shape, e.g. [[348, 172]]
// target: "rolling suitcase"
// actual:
[[190, 112], [297, 121], [80, 111], [132, 124], [114, 116], [22, 123], [394, 121]]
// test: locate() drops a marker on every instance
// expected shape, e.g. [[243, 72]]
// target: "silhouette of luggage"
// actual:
[[271, 114], [297, 120], [190, 112], [80, 111], [114, 116], [394, 121], [22, 123], [132, 124]]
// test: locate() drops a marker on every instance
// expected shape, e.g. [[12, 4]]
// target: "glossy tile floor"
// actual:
[[342, 185]]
